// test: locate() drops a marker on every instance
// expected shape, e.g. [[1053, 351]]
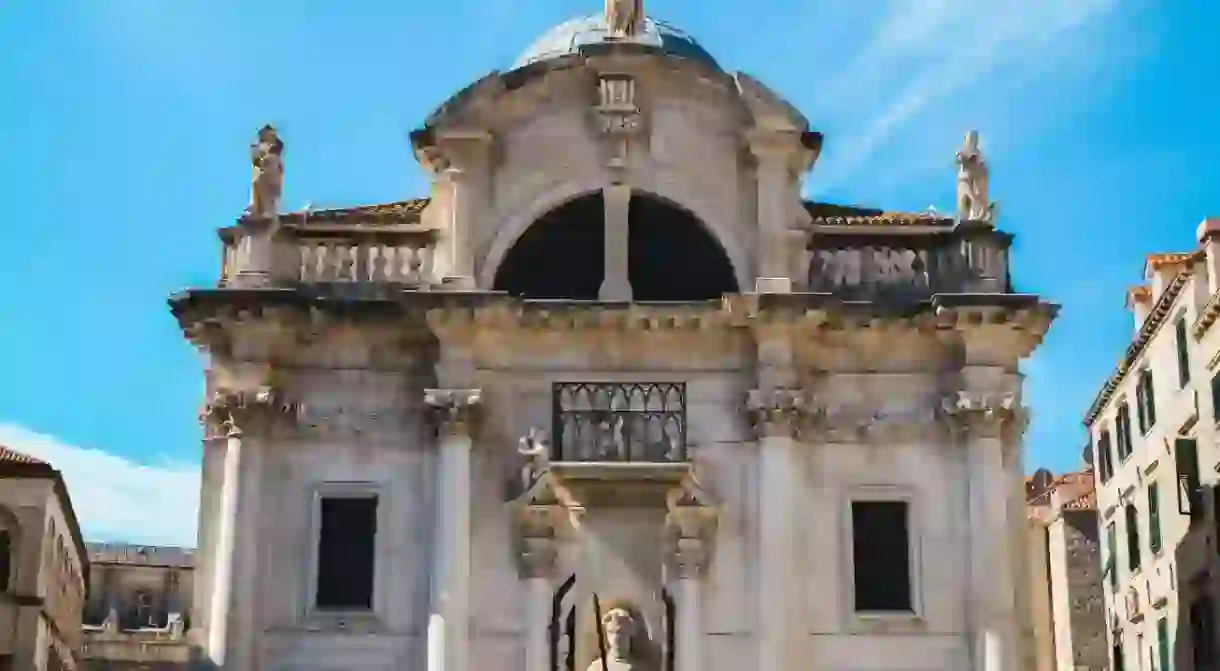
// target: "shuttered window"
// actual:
[[1183, 352], [1154, 518], [1122, 429], [1162, 643], [1133, 538], [1190, 499], [1103, 456]]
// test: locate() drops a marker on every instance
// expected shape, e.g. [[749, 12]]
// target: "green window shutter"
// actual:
[[1154, 518], [1162, 642], [1216, 397], [1190, 499], [1112, 559], [1141, 417], [1133, 538], [1183, 353], [1149, 398], [1122, 425]]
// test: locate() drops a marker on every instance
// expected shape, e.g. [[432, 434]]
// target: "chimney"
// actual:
[[1208, 234], [1139, 302]]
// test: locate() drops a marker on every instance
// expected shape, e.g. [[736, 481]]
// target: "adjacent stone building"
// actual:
[[614, 392], [1153, 434], [138, 609], [1069, 610], [43, 568]]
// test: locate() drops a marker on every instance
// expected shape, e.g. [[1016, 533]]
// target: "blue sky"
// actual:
[[123, 145]]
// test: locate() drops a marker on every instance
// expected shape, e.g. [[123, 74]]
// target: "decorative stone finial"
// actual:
[[973, 179], [266, 154], [624, 17]]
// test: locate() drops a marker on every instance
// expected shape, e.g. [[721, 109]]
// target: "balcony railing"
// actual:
[[337, 254], [619, 422]]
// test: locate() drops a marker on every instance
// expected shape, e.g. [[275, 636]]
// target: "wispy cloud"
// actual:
[[115, 498], [955, 57]]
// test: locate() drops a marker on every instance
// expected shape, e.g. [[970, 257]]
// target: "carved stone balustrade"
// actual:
[[341, 247], [904, 258]]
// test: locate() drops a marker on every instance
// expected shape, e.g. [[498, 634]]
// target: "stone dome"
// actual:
[[569, 37]]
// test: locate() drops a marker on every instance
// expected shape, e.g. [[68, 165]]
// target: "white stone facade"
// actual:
[[736, 548]]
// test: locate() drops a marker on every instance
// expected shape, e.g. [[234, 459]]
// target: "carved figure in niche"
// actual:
[[973, 177], [536, 450], [617, 92], [266, 155], [624, 17], [625, 643]]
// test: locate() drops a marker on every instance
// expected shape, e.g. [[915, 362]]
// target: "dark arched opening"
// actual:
[[671, 256]]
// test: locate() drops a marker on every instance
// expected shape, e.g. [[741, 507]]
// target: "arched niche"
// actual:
[[672, 256]]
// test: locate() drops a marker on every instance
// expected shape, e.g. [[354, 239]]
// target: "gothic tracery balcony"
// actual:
[[627, 422]]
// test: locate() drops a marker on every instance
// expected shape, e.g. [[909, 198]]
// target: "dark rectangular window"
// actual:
[[346, 552], [1122, 428], [1104, 458], [1141, 417], [1162, 642], [881, 556], [1190, 495], [1183, 352], [1118, 657], [1133, 538], [6, 560], [1112, 560], [1154, 518], [1202, 633], [1216, 398]]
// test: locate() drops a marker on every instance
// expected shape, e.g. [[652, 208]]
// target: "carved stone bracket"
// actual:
[[618, 119], [691, 523], [232, 412], [775, 412], [455, 409], [538, 516]]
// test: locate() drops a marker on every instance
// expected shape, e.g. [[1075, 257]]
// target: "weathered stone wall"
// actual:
[[1082, 550]]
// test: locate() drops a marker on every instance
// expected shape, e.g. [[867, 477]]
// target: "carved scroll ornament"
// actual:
[[231, 412], [454, 408]]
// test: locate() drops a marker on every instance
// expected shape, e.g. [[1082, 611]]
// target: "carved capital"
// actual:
[[455, 409], [775, 412], [981, 412], [230, 412]]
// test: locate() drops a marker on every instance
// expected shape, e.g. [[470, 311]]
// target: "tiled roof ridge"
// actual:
[[1152, 323], [1161, 259], [10, 455], [404, 209]]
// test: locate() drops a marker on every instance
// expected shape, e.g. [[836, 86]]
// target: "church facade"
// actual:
[[612, 396]]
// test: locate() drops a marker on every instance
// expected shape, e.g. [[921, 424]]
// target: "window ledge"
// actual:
[[354, 621], [887, 622]]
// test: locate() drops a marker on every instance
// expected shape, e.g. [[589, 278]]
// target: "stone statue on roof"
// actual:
[[972, 182], [624, 17], [266, 154]]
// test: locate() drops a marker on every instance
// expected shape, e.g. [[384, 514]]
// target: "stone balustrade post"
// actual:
[[256, 252], [978, 421], [776, 416], [449, 616]]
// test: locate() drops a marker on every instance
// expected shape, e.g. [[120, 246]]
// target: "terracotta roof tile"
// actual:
[[1156, 261], [402, 211], [13, 456], [1139, 294], [1086, 501], [829, 214], [1072, 487]]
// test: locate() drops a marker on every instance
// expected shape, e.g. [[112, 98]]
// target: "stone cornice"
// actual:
[[212, 318], [1152, 323]]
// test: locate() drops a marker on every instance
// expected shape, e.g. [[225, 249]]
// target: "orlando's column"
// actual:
[[449, 614]]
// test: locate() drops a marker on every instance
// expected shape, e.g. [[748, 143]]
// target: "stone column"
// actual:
[[617, 285], [466, 154], [537, 566], [449, 616], [461, 202], [978, 420], [773, 178], [240, 417], [775, 414], [689, 560]]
